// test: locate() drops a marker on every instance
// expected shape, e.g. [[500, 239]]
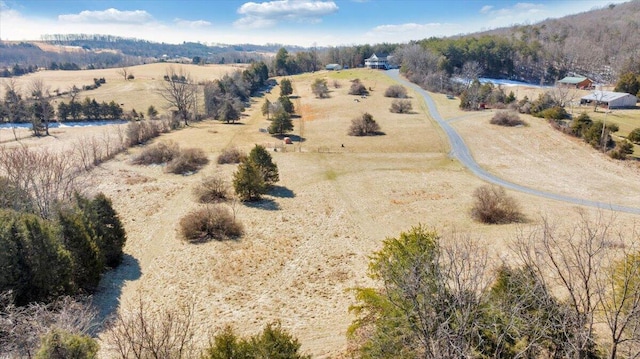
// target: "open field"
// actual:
[[137, 94], [308, 242]]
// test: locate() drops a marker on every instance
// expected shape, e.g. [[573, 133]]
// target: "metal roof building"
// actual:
[[610, 99], [576, 81]]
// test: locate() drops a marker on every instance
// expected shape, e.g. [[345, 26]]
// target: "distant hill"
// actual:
[[99, 51], [601, 43]]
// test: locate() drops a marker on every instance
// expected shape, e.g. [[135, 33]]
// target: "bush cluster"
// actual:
[[596, 133], [212, 189], [493, 206], [160, 153], [401, 106], [231, 155], [273, 342], [320, 89], [358, 88], [364, 125], [188, 160], [212, 222], [507, 118], [396, 91], [179, 161]]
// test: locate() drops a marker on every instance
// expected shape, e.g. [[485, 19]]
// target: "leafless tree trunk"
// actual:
[[124, 72], [179, 91]]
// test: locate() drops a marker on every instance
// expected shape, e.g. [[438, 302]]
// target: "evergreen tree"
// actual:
[[109, 233], [281, 123], [79, 239], [263, 160], [285, 87], [248, 181]]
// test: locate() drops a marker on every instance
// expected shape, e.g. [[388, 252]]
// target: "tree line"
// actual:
[[54, 241], [562, 294]]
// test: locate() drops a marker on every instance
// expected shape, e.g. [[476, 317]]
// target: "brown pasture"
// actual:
[[309, 241]]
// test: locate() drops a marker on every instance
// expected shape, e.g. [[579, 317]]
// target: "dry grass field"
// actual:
[[309, 241]]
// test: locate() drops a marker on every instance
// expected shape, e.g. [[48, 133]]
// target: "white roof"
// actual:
[[605, 96]]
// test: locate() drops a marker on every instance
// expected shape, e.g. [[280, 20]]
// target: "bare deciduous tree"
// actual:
[[576, 261], [22, 327], [43, 112], [125, 73], [143, 333], [48, 177], [179, 91]]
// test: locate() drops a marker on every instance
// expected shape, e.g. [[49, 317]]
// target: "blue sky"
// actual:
[[291, 22]]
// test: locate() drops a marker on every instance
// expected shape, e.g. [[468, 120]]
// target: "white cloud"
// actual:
[[256, 15], [108, 16], [485, 9], [409, 31], [195, 24]]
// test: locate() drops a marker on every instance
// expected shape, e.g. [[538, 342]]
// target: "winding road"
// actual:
[[460, 151]]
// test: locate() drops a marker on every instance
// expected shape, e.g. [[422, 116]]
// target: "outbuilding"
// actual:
[[578, 82], [610, 99], [333, 67]]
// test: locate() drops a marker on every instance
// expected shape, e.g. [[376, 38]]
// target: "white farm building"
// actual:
[[610, 99]]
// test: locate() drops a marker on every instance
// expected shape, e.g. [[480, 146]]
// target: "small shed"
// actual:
[[579, 82], [333, 67], [610, 99]]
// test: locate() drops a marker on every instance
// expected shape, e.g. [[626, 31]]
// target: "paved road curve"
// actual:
[[460, 151]]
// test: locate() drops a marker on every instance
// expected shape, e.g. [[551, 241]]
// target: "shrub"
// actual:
[[273, 342], [553, 113], [634, 136], [319, 88], [357, 88], [59, 344], [493, 206], [212, 222], [231, 155], [163, 152], [401, 106], [188, 160], [211, 189], [364, 125], [396, 91], [139, 132], [507, 118], [622, 150], [580, 124], [14, 197]]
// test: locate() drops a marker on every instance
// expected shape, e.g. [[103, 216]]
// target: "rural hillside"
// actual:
[[601, 44], [272, 208]]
